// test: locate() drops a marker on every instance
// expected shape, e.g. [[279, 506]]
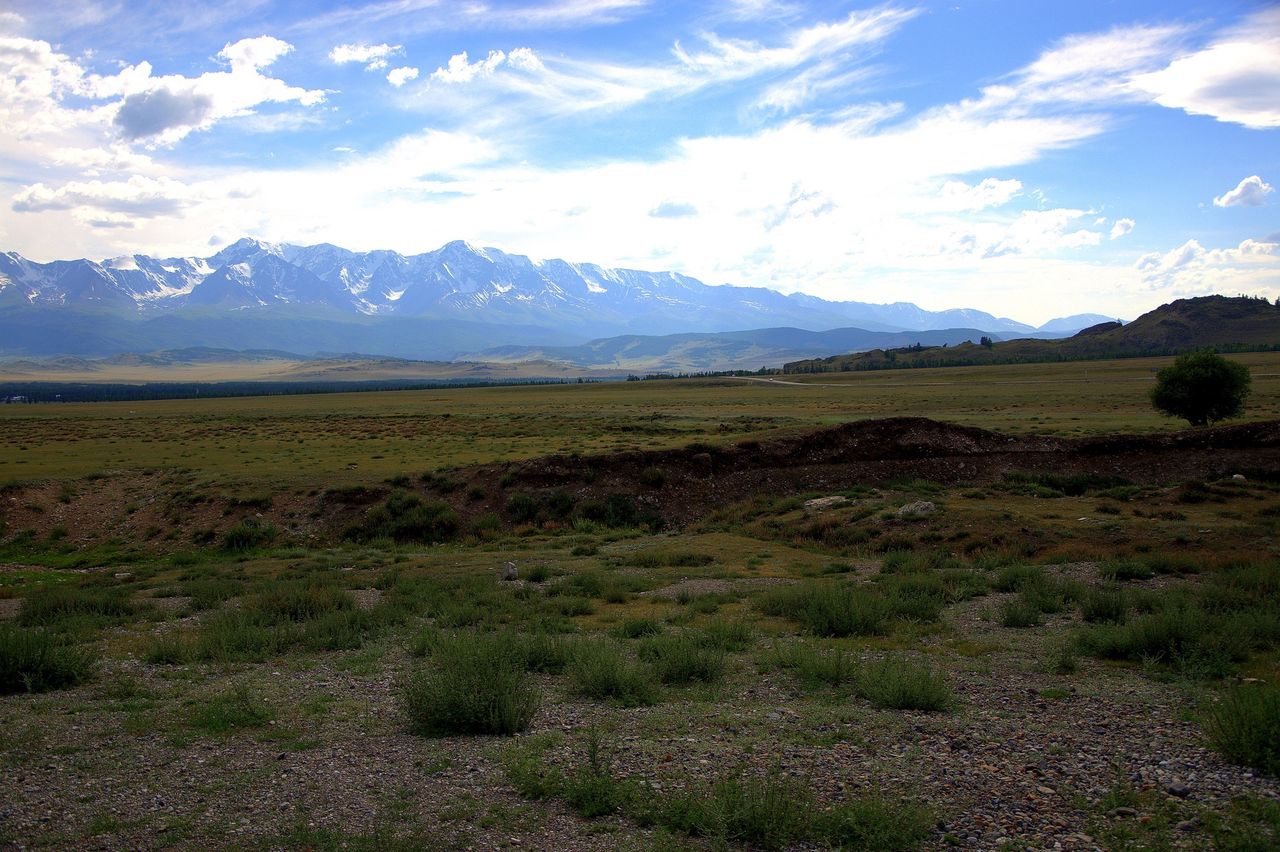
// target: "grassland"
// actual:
[[336, 439], [253, 623]]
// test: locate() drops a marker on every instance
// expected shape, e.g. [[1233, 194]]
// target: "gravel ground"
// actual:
[[1022, 761]]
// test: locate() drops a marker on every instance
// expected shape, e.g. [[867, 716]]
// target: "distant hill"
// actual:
[[1226, 323], [729, 350]]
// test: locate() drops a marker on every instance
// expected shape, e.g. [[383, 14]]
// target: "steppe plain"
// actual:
[[997, 629]]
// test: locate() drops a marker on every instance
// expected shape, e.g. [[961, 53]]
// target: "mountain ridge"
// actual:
[[568, 303]]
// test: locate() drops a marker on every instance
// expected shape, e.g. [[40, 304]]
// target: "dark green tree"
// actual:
[[1202, 387]]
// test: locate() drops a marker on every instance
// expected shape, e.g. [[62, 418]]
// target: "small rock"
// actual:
[[1178, 789], [1187, 825], [509, 571], [1238, 477], [918, 509], [820, 503], [1124, 812], [123, 575]]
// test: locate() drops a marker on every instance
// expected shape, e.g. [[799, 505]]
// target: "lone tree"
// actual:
[[1201, 386]]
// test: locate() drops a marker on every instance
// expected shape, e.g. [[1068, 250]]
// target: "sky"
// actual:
[[1031, 159]]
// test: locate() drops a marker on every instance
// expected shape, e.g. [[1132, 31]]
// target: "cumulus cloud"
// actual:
[[1233, 79], [1250, 192], [1191, 269], [399, 76], [1121, 228]]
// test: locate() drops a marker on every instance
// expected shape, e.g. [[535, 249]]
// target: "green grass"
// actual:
[[474, 683], [829, 610], [601, 670], [1244, 727], [681, 659], [58, 606], [32, 661], [230, 711]]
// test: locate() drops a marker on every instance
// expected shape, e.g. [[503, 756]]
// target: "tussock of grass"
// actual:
[[31, 661], [827, 610], [903, 685], [229, 711], [475, 684]]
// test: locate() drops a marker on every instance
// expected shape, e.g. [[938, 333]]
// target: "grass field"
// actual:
[[221, 625], [333, 439]]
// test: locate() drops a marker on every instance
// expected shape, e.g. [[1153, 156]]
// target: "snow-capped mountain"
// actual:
[[569, 302]]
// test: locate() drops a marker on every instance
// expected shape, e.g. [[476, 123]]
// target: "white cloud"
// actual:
[[1253, 266], [399, 76], [1122, 227], [138, 197], [1234, 79], [374, 57], [460, 70], [1250, 192], [571, 85], [48, 101]]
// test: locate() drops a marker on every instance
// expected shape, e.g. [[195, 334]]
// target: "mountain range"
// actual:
[[441, 304]]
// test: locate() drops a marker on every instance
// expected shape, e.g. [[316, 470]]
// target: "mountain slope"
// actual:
[[1224, 322], [731, 350]]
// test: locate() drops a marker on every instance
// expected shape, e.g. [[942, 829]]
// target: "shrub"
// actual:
[[681, 660], [476, 684], [33, 662], [523, 508], [1018, 613], [1245, 727], [406, 518], [247, 535], [652, 477], [900, 685], [602, 671]]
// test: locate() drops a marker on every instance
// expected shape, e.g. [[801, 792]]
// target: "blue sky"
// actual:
[[1029, 159]]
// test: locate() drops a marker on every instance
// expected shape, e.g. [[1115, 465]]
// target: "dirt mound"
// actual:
[[684, 484]]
